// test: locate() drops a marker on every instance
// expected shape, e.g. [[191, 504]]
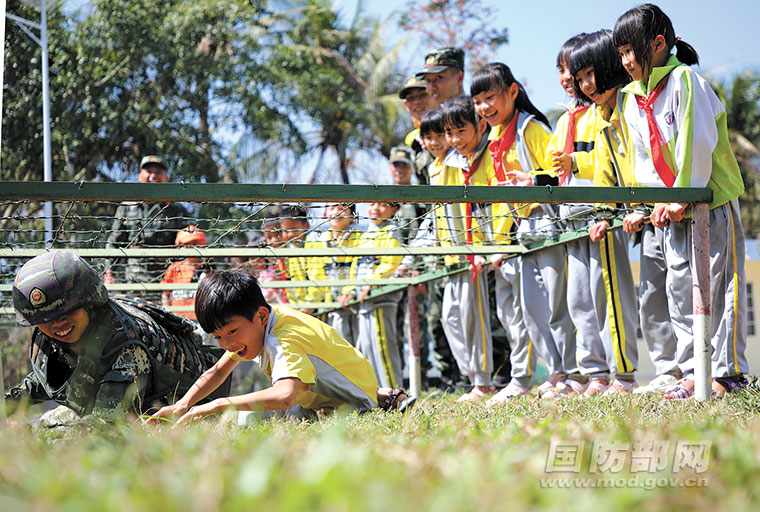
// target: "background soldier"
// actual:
[[145, 225], [100, 355]]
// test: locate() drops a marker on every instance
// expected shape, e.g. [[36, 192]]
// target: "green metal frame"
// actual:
[[241, 193]]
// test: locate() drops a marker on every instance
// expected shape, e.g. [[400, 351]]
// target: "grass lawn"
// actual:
[[442, 456]]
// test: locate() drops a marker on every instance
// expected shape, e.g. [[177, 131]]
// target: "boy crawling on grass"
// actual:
[[311, 367]]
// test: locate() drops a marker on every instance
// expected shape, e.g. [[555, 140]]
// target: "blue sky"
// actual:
[[725, 34]]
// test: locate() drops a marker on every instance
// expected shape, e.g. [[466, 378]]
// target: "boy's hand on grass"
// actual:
[[198, 412], [168, 411], [633, 222], [598, 230]]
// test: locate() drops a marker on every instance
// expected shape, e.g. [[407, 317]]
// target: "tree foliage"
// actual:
[[741, 97], [185, 78], [462, 23]]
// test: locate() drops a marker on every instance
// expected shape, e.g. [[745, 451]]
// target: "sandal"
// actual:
[[679, 392], [476, 394], [395, 402], [596, 387], [728, 385]]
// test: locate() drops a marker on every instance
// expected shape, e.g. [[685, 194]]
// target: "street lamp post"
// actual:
[[44, 6]]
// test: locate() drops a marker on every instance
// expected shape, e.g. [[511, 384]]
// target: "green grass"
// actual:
[[442, 456]]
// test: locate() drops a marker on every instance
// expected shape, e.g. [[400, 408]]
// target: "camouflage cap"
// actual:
[[401, 154], [153, 159], [53, 284], [412, 83], [441, 59]]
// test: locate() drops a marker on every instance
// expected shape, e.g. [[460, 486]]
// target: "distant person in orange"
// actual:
[[189, 270]]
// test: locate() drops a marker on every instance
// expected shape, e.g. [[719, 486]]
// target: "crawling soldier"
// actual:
[[100, 355]]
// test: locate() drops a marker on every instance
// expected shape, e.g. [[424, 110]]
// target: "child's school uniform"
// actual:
[[602, 270], [184, 272], [297, 345], [465, 310], [543, 288], [298, 269], [523, 357], [337, 268], [377, 338], [691, 149]]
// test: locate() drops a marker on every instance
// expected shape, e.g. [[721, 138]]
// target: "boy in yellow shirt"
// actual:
[[311, 367]]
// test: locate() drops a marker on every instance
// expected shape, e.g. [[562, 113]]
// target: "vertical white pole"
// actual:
[[700, 233], [47, 156], [2, 68], [2, 65], [413, 326]]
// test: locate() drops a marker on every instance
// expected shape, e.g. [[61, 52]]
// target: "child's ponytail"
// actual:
[[640, 25], [686, 52]]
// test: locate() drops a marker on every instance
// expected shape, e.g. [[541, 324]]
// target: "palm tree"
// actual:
[[338, 84], [741, 97]]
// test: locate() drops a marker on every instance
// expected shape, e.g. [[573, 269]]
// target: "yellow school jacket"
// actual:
[[528, 153], [585, 136]]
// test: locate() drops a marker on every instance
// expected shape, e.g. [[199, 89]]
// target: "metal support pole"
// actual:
[[2, 391], [2, 67], [413, 327], [47, 153], [700, 240]]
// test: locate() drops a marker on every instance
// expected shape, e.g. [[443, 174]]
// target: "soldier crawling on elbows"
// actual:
[[99, 355]]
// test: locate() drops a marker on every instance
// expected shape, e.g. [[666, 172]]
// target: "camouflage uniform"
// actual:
[[131, 355], [144, 225]]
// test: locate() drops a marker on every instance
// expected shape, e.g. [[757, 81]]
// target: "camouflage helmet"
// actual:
[[53, 284]]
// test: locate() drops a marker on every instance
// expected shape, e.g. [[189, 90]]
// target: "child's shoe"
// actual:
[[510, 391], [549, 385], [659, 384], [596, 387], [621, 387], [476, 393]]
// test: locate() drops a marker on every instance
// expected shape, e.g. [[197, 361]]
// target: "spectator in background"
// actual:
[[189, 270], [141, 224], [417, 102]]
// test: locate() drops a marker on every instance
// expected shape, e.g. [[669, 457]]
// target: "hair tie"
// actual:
[[678, 38]]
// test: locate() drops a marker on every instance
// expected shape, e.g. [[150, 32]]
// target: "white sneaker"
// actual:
[[659, 384], [510, 391]]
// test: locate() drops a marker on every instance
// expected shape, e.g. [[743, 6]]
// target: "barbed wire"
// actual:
[[238, 226]]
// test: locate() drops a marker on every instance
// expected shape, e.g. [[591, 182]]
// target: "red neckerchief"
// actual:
[[570, 136], [500, 146], [656, 140]]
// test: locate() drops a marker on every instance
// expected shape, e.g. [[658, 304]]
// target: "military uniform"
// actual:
[[132, 354], [127, 342], [144, 225]]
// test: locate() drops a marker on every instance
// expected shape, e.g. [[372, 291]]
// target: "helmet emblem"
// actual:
[[37, 297]]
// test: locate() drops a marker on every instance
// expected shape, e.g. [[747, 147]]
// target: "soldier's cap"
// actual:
[[441, 59], [412, 83], [401, 154], [153, 159], [190, 235]]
